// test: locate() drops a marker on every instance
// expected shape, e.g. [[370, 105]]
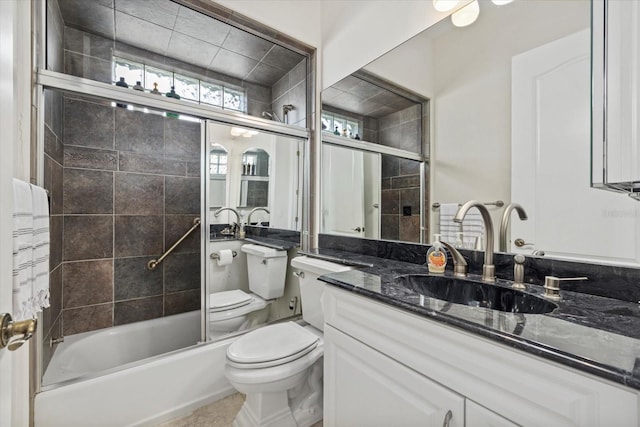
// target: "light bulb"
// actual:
[[501, 2], [444, 5], [467, 15]]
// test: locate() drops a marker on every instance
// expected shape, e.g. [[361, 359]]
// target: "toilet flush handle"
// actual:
[[299, 274]]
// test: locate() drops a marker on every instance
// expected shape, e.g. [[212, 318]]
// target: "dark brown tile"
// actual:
[[84, 319], [410, 228], [138, 235], [90, 158], [88, 124], [193, 169], [131, 162], [87, 67], [55, 245], [182, 139], [409, 167], [390, 227], [385, 184], [132, 278], [390, 166], [182, 195], [87, 191], [406, 181], [87, 237], [181, 302], [87, 283], [137, 194], [182, 272], [389, 201], [139, 132], [136, 310], [57, 183], [52, 145], [410, 198], [174, 228]]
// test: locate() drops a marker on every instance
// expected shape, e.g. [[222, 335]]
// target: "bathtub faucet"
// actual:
[[219, 211]]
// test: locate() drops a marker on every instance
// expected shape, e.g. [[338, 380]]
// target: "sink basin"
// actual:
[[476, 294]]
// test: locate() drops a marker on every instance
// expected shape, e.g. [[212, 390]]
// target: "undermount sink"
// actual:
[[476, 294]]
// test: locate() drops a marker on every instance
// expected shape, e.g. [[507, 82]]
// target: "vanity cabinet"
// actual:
[[385, 366]]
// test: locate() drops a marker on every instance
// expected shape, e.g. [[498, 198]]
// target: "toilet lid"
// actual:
[[272, 345], [227, 300]]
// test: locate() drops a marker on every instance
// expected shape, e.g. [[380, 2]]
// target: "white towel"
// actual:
[[30, 250], [448, 228]]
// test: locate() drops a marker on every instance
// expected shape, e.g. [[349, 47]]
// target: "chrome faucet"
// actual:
[[504, 224], [219, 211], [256, 209], [488, 269]]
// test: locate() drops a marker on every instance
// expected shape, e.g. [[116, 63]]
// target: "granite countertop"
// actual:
[[590, 333]]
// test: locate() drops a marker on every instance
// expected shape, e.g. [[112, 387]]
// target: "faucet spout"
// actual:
[[259, 208], [504, 224], [488, 269], [219, 211]]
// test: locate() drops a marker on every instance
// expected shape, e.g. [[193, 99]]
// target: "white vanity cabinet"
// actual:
[[385, 366]]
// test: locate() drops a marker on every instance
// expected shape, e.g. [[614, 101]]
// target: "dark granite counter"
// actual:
[[591, 333]]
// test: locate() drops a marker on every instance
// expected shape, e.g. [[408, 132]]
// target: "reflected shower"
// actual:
[[271, 115]]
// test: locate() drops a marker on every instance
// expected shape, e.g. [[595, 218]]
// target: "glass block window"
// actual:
[[131, 71], [189, 88], [340, 125]]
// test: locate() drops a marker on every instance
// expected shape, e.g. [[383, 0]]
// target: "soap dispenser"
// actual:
[[436, 256]]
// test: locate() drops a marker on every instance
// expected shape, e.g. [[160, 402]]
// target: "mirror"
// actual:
[[254, 180], [486, 126], [262, 170], [217, 176]]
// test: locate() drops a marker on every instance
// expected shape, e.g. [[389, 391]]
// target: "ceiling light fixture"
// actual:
[[246, 133], [501, 2], [444, 5], [467, 15]]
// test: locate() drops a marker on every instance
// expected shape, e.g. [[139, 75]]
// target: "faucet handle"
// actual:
[[460, 266], [552, 285], [518, 272]]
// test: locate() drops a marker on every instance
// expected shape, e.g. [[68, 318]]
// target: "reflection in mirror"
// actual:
[[217, 176], [510, 116], [254, 181], [370, 195], [263, 170]]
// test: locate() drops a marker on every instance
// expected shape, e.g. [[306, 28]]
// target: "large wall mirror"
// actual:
[[256, 169], [509, 120]]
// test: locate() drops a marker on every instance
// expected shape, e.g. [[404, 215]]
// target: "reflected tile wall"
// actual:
[[127, 196], [400, 199], [292, 89]]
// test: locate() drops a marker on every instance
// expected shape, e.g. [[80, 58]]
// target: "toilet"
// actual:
[[279, 367], [236, 310]]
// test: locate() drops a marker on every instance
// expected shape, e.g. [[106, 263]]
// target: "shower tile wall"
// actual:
[[402, 129], [291, 89], [53, 160], [400, 199], [131, 189]]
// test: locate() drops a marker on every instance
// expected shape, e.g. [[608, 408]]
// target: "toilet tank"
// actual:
[[311, 289], [267, 268]]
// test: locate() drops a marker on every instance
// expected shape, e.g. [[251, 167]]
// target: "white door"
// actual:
[[342, 191], [550, 171], [14, 160]]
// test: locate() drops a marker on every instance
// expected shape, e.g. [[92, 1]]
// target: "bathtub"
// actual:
[[123, 376]]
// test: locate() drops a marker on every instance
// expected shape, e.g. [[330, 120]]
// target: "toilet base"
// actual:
[[300, 406]]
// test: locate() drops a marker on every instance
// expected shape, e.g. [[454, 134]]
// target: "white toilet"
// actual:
[[279, 367], [236, 310]]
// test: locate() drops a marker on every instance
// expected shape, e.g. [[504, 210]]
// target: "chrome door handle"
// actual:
[[447, 418], [10, 329]]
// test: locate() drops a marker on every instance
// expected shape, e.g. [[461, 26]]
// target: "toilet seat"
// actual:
[[227, 300], [271, 346]]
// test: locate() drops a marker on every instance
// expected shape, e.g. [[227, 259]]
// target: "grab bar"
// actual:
[[498, 203], [151, 265]]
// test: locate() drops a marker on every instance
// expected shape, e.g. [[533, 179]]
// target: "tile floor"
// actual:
[[217, 414]]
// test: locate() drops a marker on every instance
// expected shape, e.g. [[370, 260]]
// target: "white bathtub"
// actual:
[[121, 376]]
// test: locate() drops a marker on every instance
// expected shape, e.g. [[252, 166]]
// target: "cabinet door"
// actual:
[[366, 388], [479, 416]]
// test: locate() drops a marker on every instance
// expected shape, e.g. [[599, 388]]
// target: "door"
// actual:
[[479, 416], [342, 191], [551, 131], [15, 78]]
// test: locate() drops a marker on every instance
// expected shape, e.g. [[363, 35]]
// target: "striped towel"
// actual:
[[448, 228], [472, 227], [30, 250]]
